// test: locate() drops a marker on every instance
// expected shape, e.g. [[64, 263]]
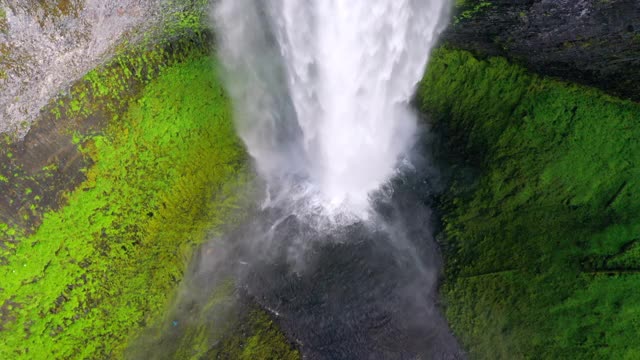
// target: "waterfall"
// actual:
[[321, 92], [341, 251]]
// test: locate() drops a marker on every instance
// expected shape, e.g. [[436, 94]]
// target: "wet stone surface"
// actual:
[[591, 42]]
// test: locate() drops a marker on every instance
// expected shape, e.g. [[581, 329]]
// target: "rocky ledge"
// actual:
[[46, 45], [593, 42]]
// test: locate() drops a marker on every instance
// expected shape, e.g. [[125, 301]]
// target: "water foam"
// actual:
[[322, 89]]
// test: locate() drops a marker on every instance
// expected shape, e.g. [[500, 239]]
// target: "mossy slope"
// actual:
[[37, 171], [541, 250], [106, 263], [213, 323]]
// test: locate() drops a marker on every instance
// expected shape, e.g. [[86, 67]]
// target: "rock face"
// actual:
[[45, 45], [593, 42]]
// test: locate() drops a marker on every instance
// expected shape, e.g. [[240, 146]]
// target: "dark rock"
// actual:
[[593, 42]]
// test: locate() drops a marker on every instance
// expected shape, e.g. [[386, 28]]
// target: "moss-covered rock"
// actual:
[[593, 42], [255, 337], [46, 45], [97, 270], [37, 171], [541, 248], [212, 319]]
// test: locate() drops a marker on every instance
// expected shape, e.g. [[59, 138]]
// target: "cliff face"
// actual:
[[46, 45], [593, 42], [540, 221]]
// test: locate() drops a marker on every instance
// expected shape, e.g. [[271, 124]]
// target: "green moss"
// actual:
[[470, 10], [257, 337], [193, 16], [541, 254], [102, 96], [104, 265]]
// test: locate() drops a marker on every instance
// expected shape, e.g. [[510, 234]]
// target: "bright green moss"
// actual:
[[470, 10], [193, 17], [541, 253], [104, 265]]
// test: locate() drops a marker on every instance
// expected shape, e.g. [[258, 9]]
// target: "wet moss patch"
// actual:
[[48, 160], [256, 337], [541, 248], [104, 265]]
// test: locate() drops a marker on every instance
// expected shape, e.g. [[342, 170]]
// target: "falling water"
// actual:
[[321, 91], [341, 250]]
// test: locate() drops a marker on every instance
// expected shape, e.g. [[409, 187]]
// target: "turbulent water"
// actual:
[[322, 90]]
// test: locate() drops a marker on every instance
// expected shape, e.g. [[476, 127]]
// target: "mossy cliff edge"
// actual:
[[592, 42], [542, 218], [106, 198]]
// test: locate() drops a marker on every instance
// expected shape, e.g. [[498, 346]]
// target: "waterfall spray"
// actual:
[[341, 249], [321, 92]]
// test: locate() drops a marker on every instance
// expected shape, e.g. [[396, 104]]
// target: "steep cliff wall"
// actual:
[[593, 42], [540, 222], [47, 44]]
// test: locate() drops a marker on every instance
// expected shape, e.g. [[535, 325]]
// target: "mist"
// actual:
[[338, 246]]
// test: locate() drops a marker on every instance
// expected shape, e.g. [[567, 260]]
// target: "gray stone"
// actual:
[[49, 44], [593, 42]]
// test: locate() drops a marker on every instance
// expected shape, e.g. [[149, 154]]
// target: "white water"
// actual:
[[321, 91]]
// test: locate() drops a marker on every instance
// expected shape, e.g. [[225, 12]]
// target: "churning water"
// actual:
[[321, 90]]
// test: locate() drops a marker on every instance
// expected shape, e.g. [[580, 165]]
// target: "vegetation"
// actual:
[[141, 165], [213, 324], [105, 264], [255, 337], [4, 26], [542, 251], [102, 96], [469, 10]]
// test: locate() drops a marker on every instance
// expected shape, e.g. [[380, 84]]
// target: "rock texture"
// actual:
[[593, 42], [47, 44]]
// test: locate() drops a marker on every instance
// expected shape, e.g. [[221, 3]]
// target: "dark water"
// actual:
[[364, 291], [368, 292]]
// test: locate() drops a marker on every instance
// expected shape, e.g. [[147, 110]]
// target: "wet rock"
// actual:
[[592, 42]]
